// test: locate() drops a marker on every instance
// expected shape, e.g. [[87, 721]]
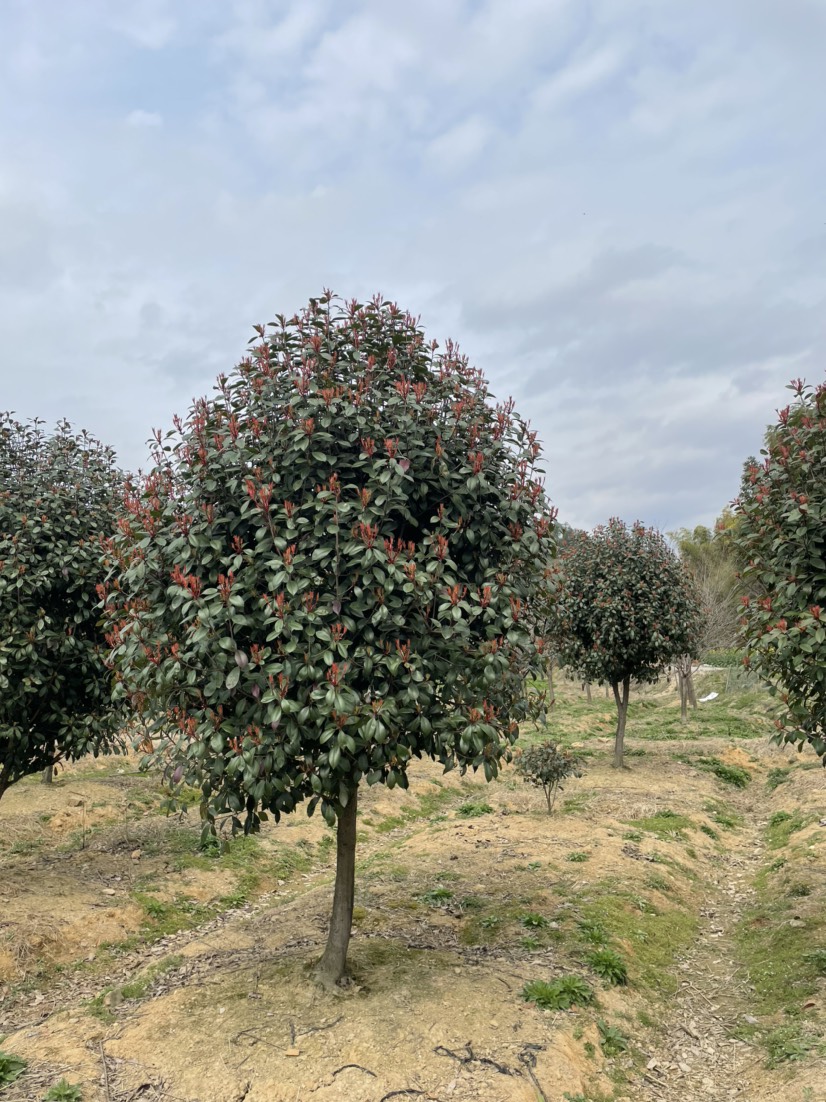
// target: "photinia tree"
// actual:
[[58, 492], [329, 572], [782, 536], [625, 609]]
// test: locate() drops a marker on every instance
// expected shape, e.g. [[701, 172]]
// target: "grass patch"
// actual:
[[734, 775], [137, 988], [783, 824], [665, 824], [776, 777], [722, 815], [652, 937], [578, 856], [473, 809]]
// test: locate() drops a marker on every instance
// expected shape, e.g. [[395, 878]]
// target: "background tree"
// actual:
[[713, 559], [329, 572], [782, 536], [58, 493], [626, 608]]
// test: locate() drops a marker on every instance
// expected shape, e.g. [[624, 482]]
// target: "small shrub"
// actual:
[[473, 809], [490, 922], [11, 1068], [612, 1041], [561, 994], [546, 766], [609, 966], [529, 943], [64, 1091]]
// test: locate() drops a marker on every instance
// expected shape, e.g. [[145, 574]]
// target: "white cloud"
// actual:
[[614, 207], [144, 118]]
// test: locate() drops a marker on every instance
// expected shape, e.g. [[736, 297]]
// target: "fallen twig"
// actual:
[[106, 1087], [344, 1067]]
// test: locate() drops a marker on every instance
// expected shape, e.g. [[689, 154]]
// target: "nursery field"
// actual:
[[661, 936]]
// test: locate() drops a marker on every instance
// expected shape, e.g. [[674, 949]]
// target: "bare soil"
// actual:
[[139, 968]]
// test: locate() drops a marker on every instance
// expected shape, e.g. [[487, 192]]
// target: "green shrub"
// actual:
[[547, 765], [561, 994]]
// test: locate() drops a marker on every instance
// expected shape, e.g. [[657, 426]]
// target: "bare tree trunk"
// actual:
[[683, 696], [551, 690], [607, 691], [689, 684], [622, 712], [587, 688], [330, 969], [47, 776]]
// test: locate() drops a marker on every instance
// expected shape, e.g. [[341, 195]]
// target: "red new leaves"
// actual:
[[352, 511], [781, 533]]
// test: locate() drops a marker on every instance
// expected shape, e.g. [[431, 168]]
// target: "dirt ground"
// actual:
[[138, 967]]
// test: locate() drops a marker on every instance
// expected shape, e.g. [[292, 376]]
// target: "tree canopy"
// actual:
[[782, 536], [58, 492], [329, 571], [625, 609]]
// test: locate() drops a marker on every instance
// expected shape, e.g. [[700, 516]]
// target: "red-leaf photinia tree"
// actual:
[[329, 571], [781, 533], [625, 608], [58, 493]]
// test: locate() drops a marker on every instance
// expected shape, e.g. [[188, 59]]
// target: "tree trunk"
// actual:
[[607, 691], [551, 690], [681, 681], [689, 684], [587, 687], [622, 712], [331, 967], [47, 776]]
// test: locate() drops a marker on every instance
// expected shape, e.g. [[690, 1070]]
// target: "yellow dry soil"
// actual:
[[137, 967]]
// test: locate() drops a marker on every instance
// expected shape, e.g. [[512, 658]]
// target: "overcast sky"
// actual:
[[617, 207]]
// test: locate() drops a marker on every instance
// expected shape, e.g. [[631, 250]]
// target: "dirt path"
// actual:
[[697, 1057]]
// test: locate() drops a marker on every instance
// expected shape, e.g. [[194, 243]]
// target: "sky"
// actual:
[[616, 207]]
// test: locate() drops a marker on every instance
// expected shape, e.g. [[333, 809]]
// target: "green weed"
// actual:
[[64, 1091], [560, 994], [612, 1041], [11, 1068], [609, 966], [473, 809]]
